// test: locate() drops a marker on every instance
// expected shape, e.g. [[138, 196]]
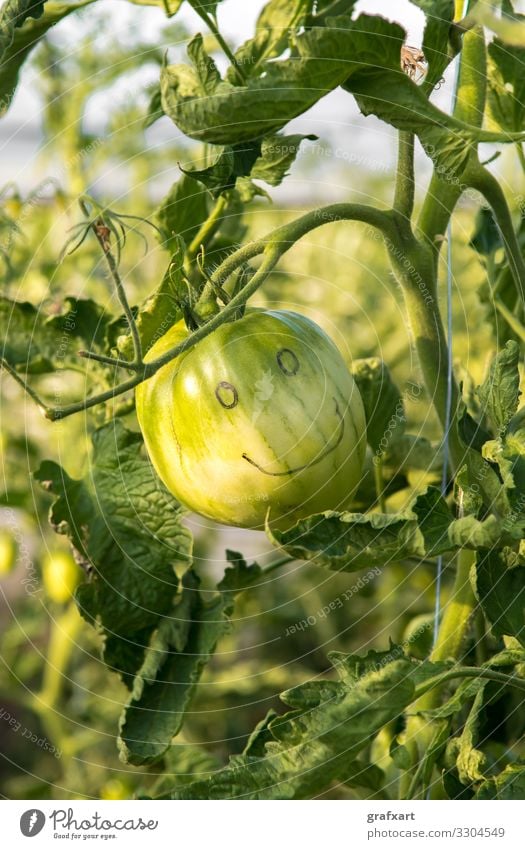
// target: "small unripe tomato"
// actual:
[[60, 575], [8, 552], [261, 415]]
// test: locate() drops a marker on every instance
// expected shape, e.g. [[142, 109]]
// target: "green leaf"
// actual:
[[126, 528], [179, 650], [436, 45], [501, 594], [17, 42], [274, 27], [12, 15], [509, 784], [506, 82], [408, 452], [349, 541], [362, 55], [384, 408], [182, 212], [317, 742], [400, 754], [434, 519], [267, 159], [480, 479], [500, 391], [278, 154], [205, 68], [220, 175], [434, 749], [469, 532], [207, 6], [471, 761], [266, 103], [486, 238], [154, 110], [37, 343], [182, 764]]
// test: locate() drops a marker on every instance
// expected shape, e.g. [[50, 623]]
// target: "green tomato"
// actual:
[[263, 414], [60, 575], [8, 552]]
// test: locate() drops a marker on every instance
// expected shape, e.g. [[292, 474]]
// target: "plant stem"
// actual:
[[452, 630], [438, 206], [111, 361], [379, 484], [457, 612], [510, 318], [102, 234], [25, 386], [470, 672], [521, 155], [414, 268], [212, 26], [469, 102], [207, 230], [481, 179], [404, 190], [272, 246]]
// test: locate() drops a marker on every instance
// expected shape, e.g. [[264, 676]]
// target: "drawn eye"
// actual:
[[226, 394], [288, 362]]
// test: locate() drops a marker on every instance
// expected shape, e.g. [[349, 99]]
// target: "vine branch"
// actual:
[[102, 233], [405, 184], [272, 247], [480, 178]]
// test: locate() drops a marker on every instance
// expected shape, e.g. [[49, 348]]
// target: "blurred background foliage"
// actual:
[[60, 704]]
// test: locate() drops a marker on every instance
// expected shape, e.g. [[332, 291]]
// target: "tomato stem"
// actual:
[[272, 247], [405, 186], [481, 179], [102, 235], [456, 617], [206, 231]]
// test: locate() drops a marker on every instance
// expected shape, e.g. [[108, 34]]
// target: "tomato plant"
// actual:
[[210, 388]]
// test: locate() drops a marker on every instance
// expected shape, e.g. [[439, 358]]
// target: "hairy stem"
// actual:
[[110, 361], [404, 190], [414, 268], [207, 230], [454, 624], [102, 234], [481, 179], [469, 102], [272, 246], [25, 386], [457, 612], [470, 672]]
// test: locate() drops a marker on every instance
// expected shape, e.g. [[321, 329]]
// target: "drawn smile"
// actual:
[[328, 450]]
